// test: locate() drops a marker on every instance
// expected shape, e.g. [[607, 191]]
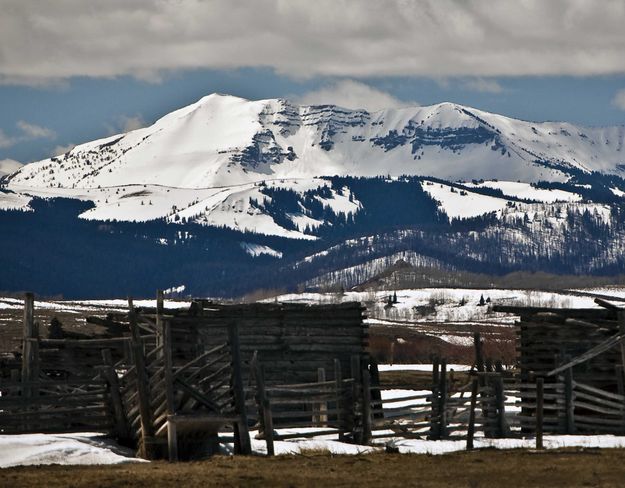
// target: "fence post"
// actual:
[[322, 406], [443, 400], [143, 394], [366, 407], [356, 396], [479, 358], [338, 379], [434, 400], [471, 430], [539, 412], [160, 302], [500, 398], [376, 393], [29, 337], [160, 339], [168, 363], [121, 426], [242, 442], [268, 422], [265, 415]]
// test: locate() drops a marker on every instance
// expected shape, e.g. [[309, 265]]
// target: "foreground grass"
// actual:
[[486, 468]]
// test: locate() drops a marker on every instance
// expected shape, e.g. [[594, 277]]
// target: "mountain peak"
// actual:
[[227, 140]]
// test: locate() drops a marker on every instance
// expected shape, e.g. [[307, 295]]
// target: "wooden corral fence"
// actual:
[[580, 354], [172, 380], [175, 378]]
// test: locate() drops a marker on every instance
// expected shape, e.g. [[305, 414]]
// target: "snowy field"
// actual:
[[451, 314], [92, 449]]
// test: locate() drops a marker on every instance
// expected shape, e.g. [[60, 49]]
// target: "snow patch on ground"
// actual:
[[67, 449], [416, 446]]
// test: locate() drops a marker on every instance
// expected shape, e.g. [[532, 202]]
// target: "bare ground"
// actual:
[[486, 468]]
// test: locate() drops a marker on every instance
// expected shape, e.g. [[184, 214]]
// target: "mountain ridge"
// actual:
[[222, 140]]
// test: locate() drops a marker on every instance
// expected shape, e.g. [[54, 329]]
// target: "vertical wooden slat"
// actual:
[[172, 435], [143, 387], [265, 415], [241, 431], [27, 343], [443, 400], [160, 302], [366, 407], [322, 407], [539, 412], [356, 396], [434, 401], [376, 392], [502, 427], [340, 417], [479, 358], [471, 428], [121, 426]]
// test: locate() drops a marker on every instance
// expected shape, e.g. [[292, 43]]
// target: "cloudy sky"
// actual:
[[76, 70]]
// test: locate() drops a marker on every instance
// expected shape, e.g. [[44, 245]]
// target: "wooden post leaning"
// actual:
[[121, 425], [242, 443], [143, 388]]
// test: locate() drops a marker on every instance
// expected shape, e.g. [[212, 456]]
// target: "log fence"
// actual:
[[174, 380]]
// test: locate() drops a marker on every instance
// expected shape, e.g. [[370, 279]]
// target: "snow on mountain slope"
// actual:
[[527, 191], [462, 204], [239, 207], [223, 140], [14, 201]]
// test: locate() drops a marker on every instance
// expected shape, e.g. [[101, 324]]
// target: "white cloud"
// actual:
[[352, 94], [131, 123], [44, 41], [619, 99], [6, 140], [28, 132], [125, 123], [59, 150], [8, 166], [33, 131], [483, 85]]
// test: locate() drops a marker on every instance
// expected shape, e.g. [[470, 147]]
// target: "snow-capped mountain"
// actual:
[[224, 140], [228, 195]]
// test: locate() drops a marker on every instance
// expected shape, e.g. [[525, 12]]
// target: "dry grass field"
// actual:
[[487, 468]]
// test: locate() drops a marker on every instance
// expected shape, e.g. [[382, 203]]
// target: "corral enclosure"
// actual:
[[170, 381]]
